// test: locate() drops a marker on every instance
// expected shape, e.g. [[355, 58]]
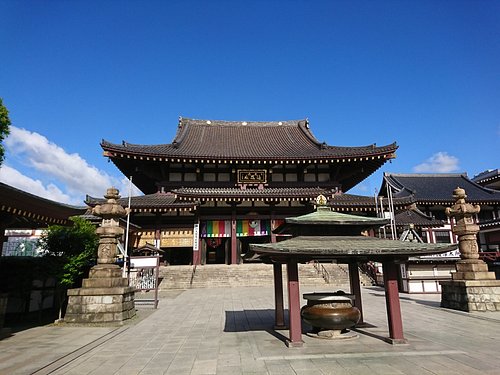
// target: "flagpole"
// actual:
[[128, 226]]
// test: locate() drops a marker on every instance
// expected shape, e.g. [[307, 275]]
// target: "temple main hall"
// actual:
[[222, 185]]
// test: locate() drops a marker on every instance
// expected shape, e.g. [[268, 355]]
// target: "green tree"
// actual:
[[4, 128], [71, 252]]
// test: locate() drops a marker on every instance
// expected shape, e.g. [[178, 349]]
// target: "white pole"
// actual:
[[128, 226]]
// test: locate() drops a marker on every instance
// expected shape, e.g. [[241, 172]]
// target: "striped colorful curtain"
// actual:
[[249, 228], [216, 228]]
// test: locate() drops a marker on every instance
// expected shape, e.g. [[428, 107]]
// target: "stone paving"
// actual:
[[228, 331]]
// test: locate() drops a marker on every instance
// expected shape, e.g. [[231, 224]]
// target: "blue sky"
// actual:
[[425, 74]]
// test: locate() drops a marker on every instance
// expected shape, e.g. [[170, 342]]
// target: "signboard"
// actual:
[[196, 235], [252, 176], [182, 237], [137, 262]]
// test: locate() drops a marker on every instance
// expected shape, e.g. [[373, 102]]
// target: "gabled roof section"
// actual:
[[158, 202], [237, 194], [417, 218], [352, 202], [246, 140], [437, 188]]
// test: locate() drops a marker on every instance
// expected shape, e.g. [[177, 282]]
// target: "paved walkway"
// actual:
[[228, 331]]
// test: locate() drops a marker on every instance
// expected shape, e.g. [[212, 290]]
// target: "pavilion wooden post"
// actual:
[[279, 307], [271, 226], [356, 289], [2, 237], [394, 318], [295, 322]]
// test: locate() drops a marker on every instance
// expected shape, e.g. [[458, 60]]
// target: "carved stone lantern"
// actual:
[[105, 296], [472, 287]]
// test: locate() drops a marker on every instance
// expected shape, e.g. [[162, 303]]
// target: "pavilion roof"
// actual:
[[20, 209], [248, 140], [437, 188], [347, 247], [325, 216]]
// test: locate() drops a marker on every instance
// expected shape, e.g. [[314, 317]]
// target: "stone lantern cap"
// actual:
[[111, 209]]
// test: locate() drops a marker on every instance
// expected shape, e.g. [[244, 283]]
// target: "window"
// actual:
[[442, 236]]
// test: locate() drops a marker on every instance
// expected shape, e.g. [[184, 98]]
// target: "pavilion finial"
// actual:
[[321, 200]]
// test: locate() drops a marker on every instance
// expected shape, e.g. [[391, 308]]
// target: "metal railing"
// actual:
[[321, 270], [491, 256]]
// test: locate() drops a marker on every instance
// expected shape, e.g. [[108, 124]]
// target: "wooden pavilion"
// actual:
[[330, 236]]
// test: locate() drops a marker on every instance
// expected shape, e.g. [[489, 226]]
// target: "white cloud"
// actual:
[[12, 177], [70, 176], [440, 162]]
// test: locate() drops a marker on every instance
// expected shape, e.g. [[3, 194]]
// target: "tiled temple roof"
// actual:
[[250, 140], [272, 194], [25, 210], [437, 188]]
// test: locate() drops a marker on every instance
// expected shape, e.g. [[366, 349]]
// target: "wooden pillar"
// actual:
[[394, 319], [279, 307], [271, 225], [234, 250], [295, 322], [356, 288]]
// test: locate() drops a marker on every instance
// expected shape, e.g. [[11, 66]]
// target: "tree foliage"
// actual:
[[73, 250], [4, 128]]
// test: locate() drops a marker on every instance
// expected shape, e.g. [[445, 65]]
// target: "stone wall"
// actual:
[[471, 295]]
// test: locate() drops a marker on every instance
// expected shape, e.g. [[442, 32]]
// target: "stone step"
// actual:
[[246, 274]]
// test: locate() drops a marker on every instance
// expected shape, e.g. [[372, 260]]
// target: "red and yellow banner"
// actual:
[[250, 228]]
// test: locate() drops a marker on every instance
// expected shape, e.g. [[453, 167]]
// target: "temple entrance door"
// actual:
[[216, 250]]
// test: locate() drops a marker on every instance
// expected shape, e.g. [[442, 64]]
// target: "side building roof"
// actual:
[[437, 188], [20, 209], [489, 179]]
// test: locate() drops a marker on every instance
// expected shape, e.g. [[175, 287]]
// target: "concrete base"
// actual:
[[103, 298], [296, 344], [471, 295]]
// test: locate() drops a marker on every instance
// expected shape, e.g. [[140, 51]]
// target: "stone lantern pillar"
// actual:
[[105, 296], [472, 287]]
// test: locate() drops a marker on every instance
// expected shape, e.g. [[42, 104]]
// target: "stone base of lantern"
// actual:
[[472, 288], [104, 297], [472, 270]]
